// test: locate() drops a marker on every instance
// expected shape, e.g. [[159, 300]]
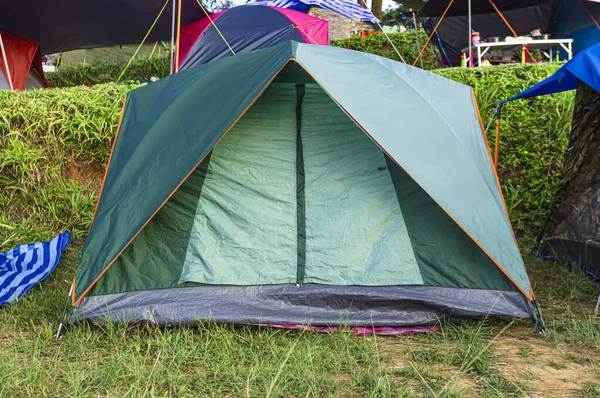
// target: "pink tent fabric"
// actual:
[[313, 30], [191, 32], [363, 331]]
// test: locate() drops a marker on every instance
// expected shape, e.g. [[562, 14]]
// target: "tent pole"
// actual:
[[524, 47], [10, 84], [470, 37], [585, 7], [178, 37], [418, 41], [433, 33], [153, 50], [569, 19], [173, 35]]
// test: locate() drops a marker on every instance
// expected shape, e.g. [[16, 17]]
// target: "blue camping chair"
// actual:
[[447, 54]]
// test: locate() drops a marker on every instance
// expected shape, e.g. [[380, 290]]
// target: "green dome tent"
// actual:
[[301, 184]]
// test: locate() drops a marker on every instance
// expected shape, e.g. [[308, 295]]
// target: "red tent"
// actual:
[[20, 63]]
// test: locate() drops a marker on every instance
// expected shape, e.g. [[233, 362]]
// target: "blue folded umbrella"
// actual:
[[27, 265]]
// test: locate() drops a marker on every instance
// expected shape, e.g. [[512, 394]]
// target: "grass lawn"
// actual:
[[472, 359]]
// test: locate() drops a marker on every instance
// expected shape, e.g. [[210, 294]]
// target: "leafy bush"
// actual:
[[108, 72], [406, 44], [53, 148], [54, 145]]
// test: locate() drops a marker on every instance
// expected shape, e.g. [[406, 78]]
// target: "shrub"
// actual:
[[53, 148], [406, 44], [109, 72]]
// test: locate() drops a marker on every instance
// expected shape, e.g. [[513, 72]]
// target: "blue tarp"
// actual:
[[585, 66], [27, 265], [346, 8]]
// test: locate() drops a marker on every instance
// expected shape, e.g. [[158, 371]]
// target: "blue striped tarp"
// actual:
[[347, 8], [27, 265]]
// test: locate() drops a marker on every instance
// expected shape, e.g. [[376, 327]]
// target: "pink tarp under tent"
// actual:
[[246, 28]]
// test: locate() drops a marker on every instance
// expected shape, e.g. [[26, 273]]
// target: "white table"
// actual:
[[483, 47]]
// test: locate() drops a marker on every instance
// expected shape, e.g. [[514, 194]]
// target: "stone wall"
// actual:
[[339, 26]]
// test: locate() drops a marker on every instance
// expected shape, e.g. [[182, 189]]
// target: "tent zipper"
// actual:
[[300, 198]]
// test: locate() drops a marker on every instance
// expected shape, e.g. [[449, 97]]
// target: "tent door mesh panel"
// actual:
[[355, 232], [244, 231]]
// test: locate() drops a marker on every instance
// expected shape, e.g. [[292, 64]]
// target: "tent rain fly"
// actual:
[[283, 200]]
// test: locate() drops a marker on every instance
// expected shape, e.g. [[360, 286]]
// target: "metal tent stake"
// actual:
[[58, 335], [540, 325]]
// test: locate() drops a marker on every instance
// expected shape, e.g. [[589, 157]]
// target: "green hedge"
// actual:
[[405, 43], [159, 66], [54, 145], [109, 72]]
